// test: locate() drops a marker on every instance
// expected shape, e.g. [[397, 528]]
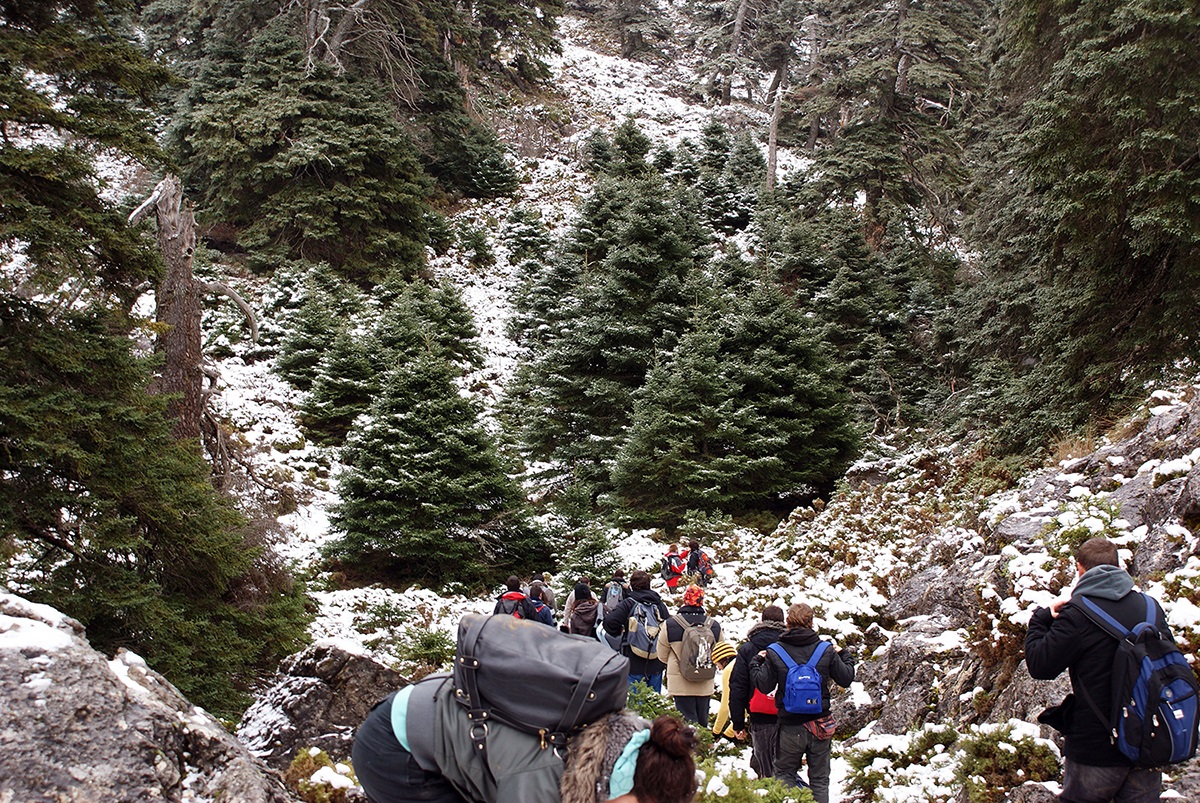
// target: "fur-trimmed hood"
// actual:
[[592, 754]]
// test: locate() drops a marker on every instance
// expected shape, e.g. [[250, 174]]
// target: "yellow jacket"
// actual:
[[723, 726]]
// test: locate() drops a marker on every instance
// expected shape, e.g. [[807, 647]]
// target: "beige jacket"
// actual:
[[668, 651]]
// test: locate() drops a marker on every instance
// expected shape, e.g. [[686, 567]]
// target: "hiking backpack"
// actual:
[[672, 566], [583, 617], [704, 566], [642, 629], [516, 607], [695, 650], [614, 592], [803, 690], [579, 680], [1153, 719]]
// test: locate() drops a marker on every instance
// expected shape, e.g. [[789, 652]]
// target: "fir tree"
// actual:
[[345, 382], [747, 410], [306, 164], [426, 496]]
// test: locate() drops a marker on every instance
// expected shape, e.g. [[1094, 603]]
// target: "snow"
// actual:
[[37, 629]]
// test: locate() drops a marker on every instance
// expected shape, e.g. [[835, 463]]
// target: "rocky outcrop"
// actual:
[[75, 726], [319, 699]]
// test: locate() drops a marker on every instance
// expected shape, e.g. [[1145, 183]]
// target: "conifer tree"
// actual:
[[306, 163], [102, 513], [345, 382], [426, 496], [311, 332], [746, 410]]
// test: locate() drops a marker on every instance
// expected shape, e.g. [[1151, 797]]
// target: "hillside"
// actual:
[[889, 324]]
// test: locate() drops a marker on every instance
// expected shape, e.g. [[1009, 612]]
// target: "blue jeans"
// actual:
[[796, 744], [653, 681], [1084, 783]]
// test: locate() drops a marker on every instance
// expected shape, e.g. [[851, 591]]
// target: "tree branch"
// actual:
[[226, 290]]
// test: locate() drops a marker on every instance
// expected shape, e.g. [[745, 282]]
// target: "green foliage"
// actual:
[[298, 777], [993, 762], [589, 553], [743, 788], [1081, 519], [118, 524], [875, 767], [430, 650], [306, 163], [647, 703], [425, 495]]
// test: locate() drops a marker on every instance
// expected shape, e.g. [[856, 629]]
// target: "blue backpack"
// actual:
[[802, 689], [1153, 719]]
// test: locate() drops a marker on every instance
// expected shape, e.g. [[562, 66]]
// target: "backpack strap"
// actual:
[[1109, 624], [583, 692], [476, 713], [778, 649], [817, 653]]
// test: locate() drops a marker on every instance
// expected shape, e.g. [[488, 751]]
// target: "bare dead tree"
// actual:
[[178, 300]]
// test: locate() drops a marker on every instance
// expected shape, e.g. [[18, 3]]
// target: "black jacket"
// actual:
[[1074, 643], [761, 636], [616, 622], [800, 642]]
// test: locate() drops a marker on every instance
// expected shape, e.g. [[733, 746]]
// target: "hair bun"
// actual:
[[673, 736]]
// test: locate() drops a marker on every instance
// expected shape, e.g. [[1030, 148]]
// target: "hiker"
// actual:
[[420, 744], [805, 726], [685, 643], [547, 590], [636, 622], [699, 565], [582, 611], [514, 602], [614, 591], [743, 697], [537, 596], [724, 656], [672, 567], [1065, 636]]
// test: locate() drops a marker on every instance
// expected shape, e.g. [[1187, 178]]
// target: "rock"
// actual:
[[75, 726], [319, 699], [1030, 793]]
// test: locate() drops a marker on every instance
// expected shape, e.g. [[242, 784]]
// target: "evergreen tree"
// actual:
[[636, 23], [306, 163], [1091, 243], [574, 399], [426, 496], [345, 382], [746, 411], [116, 522], [102, 513], [310, 334], [424, 316]]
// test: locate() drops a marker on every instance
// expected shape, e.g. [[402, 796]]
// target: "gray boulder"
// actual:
[[75, 726], [319, 699]]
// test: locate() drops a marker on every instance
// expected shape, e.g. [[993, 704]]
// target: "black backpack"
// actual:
[[579, 680], [1153, 721], [519, 608]]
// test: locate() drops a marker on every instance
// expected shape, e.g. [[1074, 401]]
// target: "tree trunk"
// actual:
[[179, 311], [735, 46], [773, 134]]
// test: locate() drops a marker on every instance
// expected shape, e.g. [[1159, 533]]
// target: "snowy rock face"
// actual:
[[319, 699], [76, 727]]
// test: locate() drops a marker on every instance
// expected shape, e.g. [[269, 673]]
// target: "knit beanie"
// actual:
[[693, 596], [722, 651], [592, 754]]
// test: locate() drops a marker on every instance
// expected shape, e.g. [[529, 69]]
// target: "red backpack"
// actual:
[[763, 703]]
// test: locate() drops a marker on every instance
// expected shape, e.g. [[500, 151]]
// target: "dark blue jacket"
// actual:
[[616, 622]]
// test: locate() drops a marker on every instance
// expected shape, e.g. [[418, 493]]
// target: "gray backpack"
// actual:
[[642, 630], [695, 650], [578, 679]]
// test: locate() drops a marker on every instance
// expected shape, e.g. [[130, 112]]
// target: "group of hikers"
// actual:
[[774, 692]]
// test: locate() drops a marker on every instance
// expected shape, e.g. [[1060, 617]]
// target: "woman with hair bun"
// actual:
[[416, 746]]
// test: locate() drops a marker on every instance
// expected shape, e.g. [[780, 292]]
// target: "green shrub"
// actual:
[[742, 788], [300, 771], [427, 650], [994, 762]]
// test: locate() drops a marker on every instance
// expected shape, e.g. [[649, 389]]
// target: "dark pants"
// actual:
[[796, 744], [388, 773], [765, 744], [694, 709], [1084, 783]]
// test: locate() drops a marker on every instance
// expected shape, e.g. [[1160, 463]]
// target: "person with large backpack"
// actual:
[[479, 736], [1121, 723], [634, 625], [613, 593], [686, 642], [672, 567], [582, 612], [798, 669], [745, 701], [513, 602], [699, 565]]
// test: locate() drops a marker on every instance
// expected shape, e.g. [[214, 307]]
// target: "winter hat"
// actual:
[[693, 596], [722, 651]]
